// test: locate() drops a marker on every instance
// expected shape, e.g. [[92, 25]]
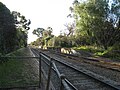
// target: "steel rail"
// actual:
[[92, 75]]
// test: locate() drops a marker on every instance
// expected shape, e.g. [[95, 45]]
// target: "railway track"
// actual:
[[78, 77], [100, 63], [109, 71]]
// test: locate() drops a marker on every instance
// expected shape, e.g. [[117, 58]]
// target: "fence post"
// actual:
[[40, 70], [49, 75], [62, 76]]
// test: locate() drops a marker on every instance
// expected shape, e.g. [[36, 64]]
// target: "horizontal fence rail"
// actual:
[[17, 57]]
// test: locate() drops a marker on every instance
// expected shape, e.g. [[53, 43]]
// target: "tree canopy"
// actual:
[[97, 19], [22, 26], [44, 35], [7, 30], [13, 33]]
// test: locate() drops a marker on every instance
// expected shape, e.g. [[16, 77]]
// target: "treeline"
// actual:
[[13, 30], [96, 23]]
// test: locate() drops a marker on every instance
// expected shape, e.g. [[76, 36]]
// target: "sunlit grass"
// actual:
[[92, 49], [97, 51]]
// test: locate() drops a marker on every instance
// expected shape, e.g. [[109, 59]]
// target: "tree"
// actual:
[[21, 21], [70, 27], [7, 30], [93, 19], [22, 26], [44, 35], [38, 32], [49, 30]]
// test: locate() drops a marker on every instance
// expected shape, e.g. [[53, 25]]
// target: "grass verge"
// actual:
[[97, 51], [17, 73]]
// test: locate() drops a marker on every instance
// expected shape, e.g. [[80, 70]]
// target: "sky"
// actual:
[[42, 13]]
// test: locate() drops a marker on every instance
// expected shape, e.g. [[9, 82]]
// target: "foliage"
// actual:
[[44, 36], [98, 20], [38, 32], [57, 41], [13, 30], [22, 26], [64, 41], [7, 30], [21, 21], [70, 27]]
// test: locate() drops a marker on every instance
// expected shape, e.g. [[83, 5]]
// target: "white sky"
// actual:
[[42, 13]]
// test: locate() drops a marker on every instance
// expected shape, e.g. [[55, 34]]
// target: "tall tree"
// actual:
[[22, 26], [44, 35], [93, 19], [7, 30], [39, 33]]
